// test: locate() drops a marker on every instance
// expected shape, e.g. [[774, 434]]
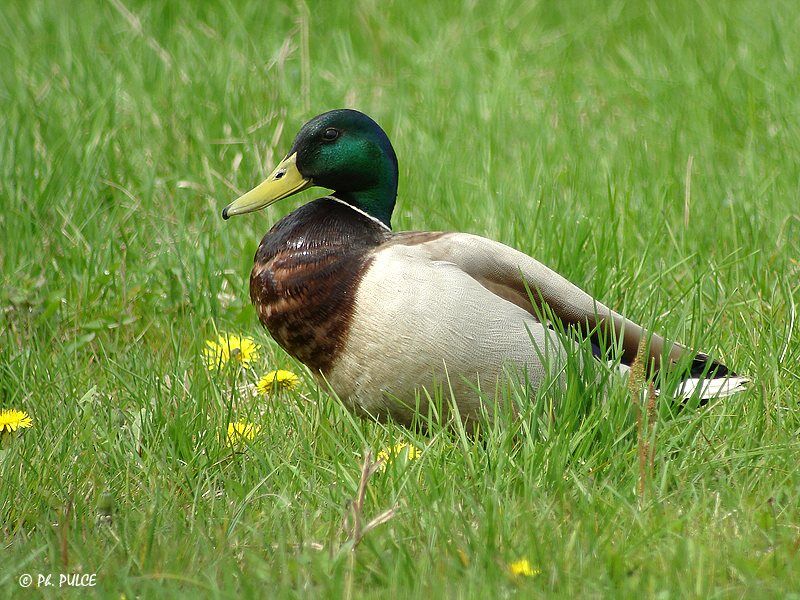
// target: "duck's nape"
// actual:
[[343, 150]]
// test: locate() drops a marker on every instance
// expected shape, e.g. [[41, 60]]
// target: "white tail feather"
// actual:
[[717, 387], [707, 389]]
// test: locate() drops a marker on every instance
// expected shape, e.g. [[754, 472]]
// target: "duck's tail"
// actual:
[[705, 379], [708, 379]]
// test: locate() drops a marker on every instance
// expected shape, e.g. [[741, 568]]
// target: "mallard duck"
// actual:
[[381, 317]]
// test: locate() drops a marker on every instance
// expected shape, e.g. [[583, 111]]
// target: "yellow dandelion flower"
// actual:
[[241, 431], [277, 380], [387, 455], [11, 420], [229, 347], [522, 568]]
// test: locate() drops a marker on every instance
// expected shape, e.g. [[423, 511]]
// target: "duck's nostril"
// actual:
[[280, 174]]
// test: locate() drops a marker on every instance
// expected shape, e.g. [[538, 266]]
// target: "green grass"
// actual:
[[648, 151]]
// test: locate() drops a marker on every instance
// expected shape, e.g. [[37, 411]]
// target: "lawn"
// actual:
[[649, 151]]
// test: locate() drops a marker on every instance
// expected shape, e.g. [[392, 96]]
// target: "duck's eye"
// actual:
[[330, 134]]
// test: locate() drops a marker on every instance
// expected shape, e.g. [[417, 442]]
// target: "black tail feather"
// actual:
[[703, 366]]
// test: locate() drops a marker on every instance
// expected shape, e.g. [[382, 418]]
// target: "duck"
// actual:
[[382, 317]]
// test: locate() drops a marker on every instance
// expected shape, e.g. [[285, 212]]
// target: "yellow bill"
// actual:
[[284, 181]]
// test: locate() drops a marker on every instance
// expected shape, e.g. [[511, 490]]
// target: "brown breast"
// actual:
[[306, 273]]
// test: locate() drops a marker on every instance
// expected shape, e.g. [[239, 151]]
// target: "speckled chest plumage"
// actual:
[[306, 273]]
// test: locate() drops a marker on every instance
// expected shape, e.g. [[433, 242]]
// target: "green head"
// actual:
[[342, 150]]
